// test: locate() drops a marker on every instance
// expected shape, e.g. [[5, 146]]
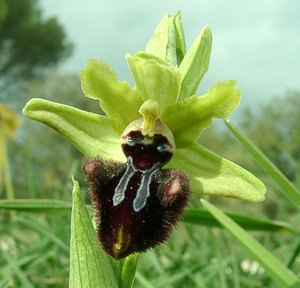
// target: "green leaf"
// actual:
[[127, 269], [154, 79], [203, 217], [211, 174], [36, 205], [287, 187], [89, 266], [118, 100], [188, 118], [180, 39], [91, 134], [163, 41], [276, 270], [195, 63]]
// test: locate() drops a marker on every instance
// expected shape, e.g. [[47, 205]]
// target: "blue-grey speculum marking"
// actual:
[[145, 155], [143, 191]]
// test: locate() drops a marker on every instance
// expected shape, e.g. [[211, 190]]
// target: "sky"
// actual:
[[255, 42]]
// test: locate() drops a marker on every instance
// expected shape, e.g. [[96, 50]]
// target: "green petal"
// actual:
[[89, 266], [188, 118], [117, 99], [180, 39], [195, 63], [154, 79], [163, 41], [90, 133], [211, 174]]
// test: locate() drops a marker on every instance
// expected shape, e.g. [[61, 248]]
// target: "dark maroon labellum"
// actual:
[[137, 203]]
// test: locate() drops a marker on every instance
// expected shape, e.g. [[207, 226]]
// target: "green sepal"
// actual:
[[195, 63], [211, 174], [188, 118], [163, 41], [90, 133], [117, 99], [180, 39], [154, 79], [89, 266]]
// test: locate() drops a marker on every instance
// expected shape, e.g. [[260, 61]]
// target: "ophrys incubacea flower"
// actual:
[[158, 120]]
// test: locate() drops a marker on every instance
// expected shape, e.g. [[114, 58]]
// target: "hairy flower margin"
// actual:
[[168, 75]]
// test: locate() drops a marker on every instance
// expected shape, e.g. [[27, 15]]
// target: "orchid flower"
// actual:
[[166, 77]]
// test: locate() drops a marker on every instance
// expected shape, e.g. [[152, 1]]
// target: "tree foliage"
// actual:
[[28, 42]]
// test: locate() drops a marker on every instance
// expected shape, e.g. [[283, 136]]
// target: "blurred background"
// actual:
[[45, 44]]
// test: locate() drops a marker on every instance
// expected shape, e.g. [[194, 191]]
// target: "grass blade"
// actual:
[[276, 270], [287, 187], [203, 217], [36, 205], [294, 256], [44, 231], [15, 266], [194, 216], [143, 281]]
